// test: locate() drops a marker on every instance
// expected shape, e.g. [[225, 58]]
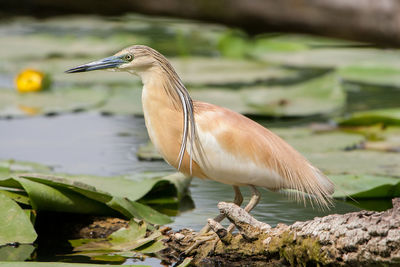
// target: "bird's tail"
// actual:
[[316, 186]]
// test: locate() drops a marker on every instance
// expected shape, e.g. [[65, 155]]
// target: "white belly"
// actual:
[[227, 168]]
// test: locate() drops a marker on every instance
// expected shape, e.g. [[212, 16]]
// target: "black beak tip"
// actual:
[[75, 70]]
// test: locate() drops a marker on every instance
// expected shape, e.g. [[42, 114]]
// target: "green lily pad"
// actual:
[[130, 197], [383, 116], [355, 173], [357, 162], [330, 152], [334, 57], [59, 101], [196, 71], [305, 140], [377, 75], [9, 166], [17, 195], [15, 225], [365, 186], [322, 95]]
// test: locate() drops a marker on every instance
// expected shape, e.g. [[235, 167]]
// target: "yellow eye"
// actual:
[[128, 57]]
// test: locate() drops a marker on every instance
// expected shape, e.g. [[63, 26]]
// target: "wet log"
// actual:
[[361, 20], [355, 239]]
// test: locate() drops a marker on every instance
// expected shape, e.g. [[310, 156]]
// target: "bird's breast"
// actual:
[[164, 125]]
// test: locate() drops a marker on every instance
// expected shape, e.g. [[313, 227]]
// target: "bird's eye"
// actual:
[[128, 57]]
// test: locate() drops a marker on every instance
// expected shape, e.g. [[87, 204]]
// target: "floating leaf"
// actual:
[[45, 197], [332, 57], [99, 195], [56, 101], [365, 186], [322, 95], [15, 226], [383, 116], [377, 75]]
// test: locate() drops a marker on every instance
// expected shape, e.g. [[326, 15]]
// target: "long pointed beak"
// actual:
[[105, 63]]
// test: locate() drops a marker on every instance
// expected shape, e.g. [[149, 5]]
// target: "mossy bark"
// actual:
[[355, 239]]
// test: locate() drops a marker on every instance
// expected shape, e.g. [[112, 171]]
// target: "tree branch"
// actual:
[[357, 238]]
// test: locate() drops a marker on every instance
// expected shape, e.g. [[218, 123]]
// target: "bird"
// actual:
[[211, 142]]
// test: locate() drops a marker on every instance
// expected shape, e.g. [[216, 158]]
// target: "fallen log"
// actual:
[[357, 238]]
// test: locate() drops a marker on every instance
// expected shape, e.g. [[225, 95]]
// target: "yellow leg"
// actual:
[[238, 200], [255, 198], [203, 235]]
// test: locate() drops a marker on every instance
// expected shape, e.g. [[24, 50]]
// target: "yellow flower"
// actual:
[[31, 80]]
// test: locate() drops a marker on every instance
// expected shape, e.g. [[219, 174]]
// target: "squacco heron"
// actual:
[[211, 142]]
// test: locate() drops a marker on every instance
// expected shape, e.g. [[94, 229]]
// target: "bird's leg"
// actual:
[[238, 200], [255, 198]]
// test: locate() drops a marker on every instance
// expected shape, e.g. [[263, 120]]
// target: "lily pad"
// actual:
[[377, 75], [99, 195], [365, 186], [383, 116], [59, 101], [16, 227], [12, 166], [334, 57], [322, 95]]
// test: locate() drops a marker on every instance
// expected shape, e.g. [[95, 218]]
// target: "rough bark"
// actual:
[[363, 20], [355, 239]]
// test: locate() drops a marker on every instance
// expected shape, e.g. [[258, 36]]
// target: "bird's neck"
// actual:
[[161, 85]]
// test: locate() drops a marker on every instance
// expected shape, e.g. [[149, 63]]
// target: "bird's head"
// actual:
[[137, 59]]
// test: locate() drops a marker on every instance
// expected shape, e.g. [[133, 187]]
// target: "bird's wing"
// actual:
[[240, 151]]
